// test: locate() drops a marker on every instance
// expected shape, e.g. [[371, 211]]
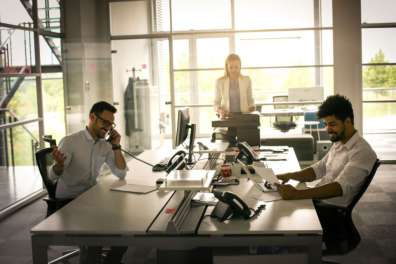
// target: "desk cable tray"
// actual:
[[178, 216]]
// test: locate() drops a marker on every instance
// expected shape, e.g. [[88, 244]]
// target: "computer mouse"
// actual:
[[251, 170], [160, 181]]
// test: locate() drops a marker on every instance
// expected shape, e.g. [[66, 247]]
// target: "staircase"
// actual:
[[45, 24]]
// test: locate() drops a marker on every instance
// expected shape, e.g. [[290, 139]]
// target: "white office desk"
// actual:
[[107, 218]]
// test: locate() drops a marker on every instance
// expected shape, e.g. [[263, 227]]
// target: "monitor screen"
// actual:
[[183, 121], [183, 126]]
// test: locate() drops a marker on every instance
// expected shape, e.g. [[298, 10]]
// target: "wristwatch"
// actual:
[[115, 146]]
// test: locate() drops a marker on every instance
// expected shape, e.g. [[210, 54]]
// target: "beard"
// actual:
[[334, 137], [101, 132]]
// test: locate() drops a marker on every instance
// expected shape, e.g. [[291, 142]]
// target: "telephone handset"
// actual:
[[172, 163], [108, 136], [175, 161], [230, 206], [246, 153]]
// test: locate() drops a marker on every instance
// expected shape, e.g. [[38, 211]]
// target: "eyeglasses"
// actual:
[[105, 122]]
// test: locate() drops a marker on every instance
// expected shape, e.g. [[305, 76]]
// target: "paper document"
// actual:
[[266, 174], [268, 197], [205, 198], [134, 188]]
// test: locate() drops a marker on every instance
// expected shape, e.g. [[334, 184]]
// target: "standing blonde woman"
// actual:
[[233, 90]]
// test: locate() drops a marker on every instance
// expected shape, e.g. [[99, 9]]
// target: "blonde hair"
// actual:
[[231, 57]]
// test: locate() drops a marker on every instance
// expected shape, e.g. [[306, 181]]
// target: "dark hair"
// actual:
[[101, 106], [337, 105]]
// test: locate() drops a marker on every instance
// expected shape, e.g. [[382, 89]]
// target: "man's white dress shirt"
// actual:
[[84, 160], [348, 164]]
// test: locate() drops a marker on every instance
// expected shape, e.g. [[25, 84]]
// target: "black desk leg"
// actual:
[[39, 251], [314, 249]]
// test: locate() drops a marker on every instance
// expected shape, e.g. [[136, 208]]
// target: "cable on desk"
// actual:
[[136, 158], [257, 211]]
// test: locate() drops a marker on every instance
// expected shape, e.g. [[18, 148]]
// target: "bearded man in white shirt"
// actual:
[[342, 170], [78, 163]]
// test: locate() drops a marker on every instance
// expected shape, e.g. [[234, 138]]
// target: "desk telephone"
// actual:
[[230, 206], [169, 164], [246, 153]]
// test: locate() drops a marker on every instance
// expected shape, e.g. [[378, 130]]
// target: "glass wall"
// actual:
[[282, 45], [19, 116], [379, 65]]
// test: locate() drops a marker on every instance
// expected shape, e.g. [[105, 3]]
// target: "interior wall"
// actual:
[[128, 18], [347, 39], [124, 59], [87, 59]]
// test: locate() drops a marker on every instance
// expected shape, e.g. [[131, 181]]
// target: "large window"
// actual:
[[379, 65], [282, 44], [24, 115]]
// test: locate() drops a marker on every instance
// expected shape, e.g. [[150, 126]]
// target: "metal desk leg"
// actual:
[[39, 251], [315, 250]]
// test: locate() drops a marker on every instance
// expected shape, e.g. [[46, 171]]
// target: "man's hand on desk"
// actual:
[[285, 177], [287, 191]]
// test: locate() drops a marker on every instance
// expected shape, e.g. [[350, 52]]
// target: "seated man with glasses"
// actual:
[[78, 162]]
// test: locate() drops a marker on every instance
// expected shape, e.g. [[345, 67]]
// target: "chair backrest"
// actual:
[[44, 160], [364, 187]]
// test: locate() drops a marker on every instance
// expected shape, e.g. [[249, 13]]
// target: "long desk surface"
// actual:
[[102, 211], [104, 217]]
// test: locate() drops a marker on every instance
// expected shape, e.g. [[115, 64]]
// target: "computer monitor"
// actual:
[[305, 94], [182, 128]]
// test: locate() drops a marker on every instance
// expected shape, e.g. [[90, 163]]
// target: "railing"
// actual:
[[9, 136]]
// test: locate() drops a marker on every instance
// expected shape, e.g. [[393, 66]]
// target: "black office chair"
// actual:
[[340, 235], [44, 161], [283, 123]]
